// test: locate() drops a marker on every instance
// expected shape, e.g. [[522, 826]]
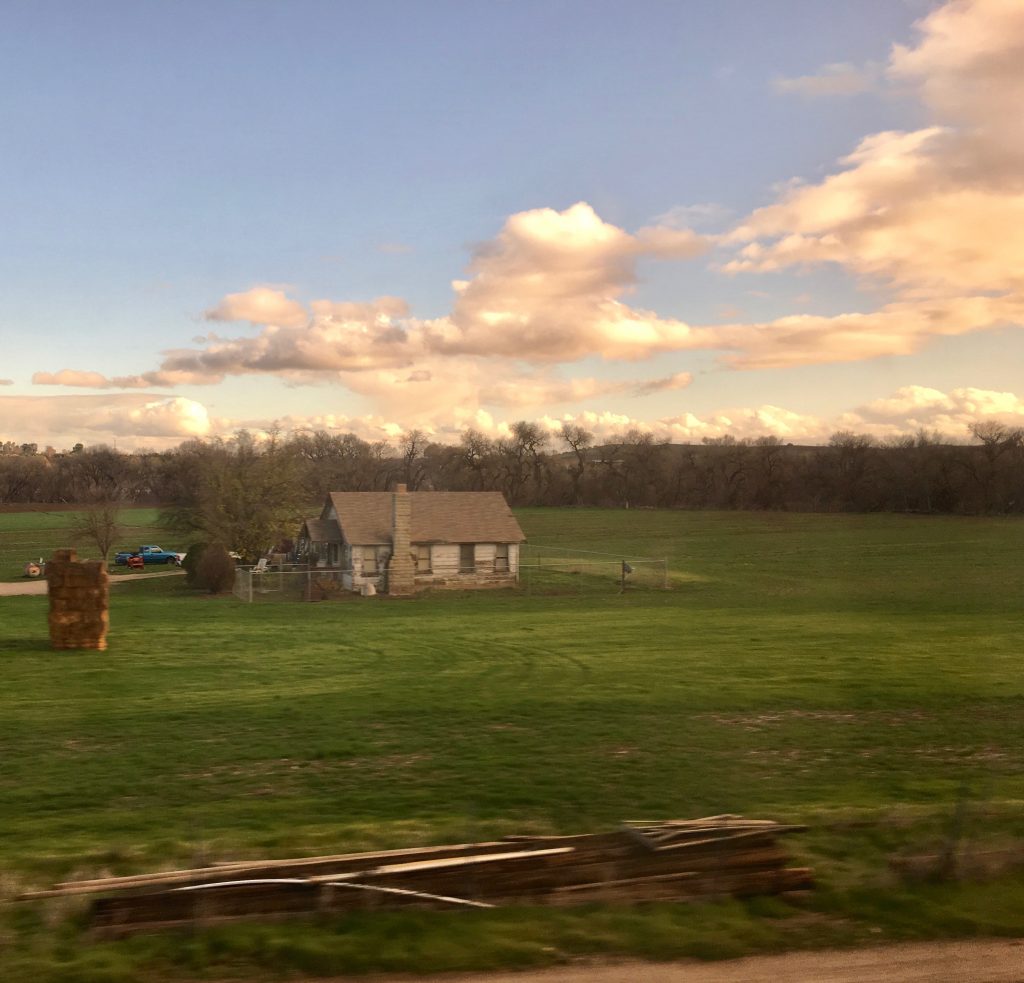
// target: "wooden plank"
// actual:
[[452, 863], [409, 894], [338, 864]]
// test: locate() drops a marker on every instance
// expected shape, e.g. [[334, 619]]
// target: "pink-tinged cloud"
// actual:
[[548, 288], [71, 377], [933, 219], [899, 328], [260, 305], [936, 215], [6, 382], [969, 69], [147, 380], [914, 408], [130, 419]]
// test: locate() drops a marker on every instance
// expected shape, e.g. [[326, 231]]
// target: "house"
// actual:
[[403, 541]]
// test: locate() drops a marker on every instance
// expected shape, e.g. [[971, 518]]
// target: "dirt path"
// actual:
[[988, 961], [21, 588]]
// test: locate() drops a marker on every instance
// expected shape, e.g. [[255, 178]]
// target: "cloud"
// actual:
[[6, 382], [534, 390], [932, 221], [904, 412], [139, 421], [679, 380], [260, 305], [702, 214], [914, 408], [71, 377], [935, 216], [837, 79], [330, 337], [899, 214], [394, 248], [969, 68], [131, 419], [548, 289], [147, 380], [899, 328]]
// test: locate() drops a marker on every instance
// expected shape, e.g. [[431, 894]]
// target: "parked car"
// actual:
[[149, 554]]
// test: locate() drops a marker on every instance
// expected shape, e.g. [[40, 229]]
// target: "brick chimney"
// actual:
[[401, 568]]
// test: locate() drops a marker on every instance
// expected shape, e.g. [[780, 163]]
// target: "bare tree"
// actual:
[[98, 525], [579, 441]]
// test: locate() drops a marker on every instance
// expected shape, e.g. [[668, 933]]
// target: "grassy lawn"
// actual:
[[861, 673], [30, 535]]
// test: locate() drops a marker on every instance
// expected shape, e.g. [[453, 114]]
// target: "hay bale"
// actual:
[[79, 602]]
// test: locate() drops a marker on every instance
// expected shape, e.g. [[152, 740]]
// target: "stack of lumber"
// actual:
[[679, 860]]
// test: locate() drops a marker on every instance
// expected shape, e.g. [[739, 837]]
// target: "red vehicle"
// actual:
[[135, 563]]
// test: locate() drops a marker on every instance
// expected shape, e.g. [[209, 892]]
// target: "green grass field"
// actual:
[[861, 673], [33, 534]]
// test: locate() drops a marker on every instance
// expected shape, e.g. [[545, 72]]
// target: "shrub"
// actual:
[[216, 569], [191, 563]]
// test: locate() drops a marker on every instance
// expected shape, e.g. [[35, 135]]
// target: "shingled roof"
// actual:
[[436, 517], [321, 531]]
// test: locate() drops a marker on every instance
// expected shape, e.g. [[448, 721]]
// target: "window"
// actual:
[[423, 559], [467, 557], [501, 558], [369, 561]]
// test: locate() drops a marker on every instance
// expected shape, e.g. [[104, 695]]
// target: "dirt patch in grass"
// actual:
[[763, 721]]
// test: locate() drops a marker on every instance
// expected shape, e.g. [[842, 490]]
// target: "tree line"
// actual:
[[209, 483]]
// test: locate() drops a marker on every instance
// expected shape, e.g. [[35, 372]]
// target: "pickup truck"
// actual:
[[149, 554]]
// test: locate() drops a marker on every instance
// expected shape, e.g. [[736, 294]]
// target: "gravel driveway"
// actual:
[[23, 587], [971, 961]]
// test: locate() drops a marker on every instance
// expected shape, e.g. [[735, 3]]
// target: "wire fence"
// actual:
[[542, 570], [564, 570]]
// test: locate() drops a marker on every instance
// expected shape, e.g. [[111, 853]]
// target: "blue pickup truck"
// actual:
[[149, 554]]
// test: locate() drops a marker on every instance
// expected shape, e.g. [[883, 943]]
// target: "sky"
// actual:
[[691, 217]]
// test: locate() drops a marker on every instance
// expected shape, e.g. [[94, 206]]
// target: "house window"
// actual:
[[423, 559], [501, 558], [467, 557], [369, 561]]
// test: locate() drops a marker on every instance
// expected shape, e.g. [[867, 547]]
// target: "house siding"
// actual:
[[445, 573]]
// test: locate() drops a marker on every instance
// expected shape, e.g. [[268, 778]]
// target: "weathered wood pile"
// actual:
[[681, 860], [79, 602]]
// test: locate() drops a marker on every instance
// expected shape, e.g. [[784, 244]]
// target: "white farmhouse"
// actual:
[[402, 542]]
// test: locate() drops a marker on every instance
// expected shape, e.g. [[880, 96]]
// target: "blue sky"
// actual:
[[159, 157]]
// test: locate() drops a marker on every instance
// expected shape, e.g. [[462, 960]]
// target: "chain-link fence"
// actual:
[[290, 582]]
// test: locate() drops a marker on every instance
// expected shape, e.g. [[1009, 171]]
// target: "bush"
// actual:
[[191, 563], [215, 571]]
